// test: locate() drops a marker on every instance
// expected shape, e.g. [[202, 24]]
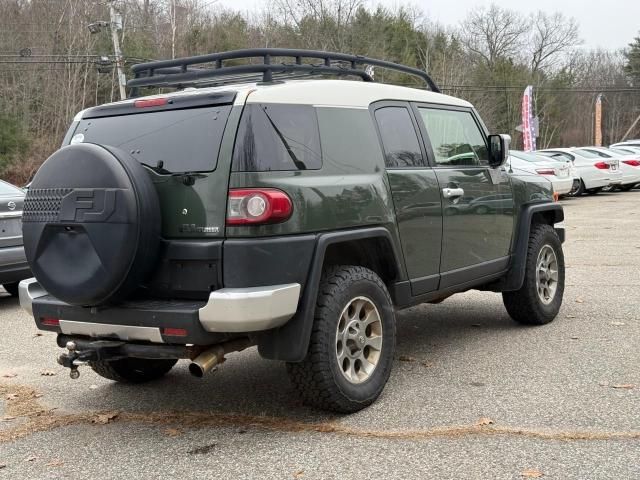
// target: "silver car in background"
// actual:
[[558, 172], [13, 264]]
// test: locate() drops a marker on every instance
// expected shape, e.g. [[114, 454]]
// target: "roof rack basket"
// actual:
[[180, 72]]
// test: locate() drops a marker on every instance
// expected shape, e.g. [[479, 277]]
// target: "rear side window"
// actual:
[[184, 140], [275, 137], [401, 147]]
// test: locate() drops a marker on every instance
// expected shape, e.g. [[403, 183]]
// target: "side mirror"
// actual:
[[498, 149]]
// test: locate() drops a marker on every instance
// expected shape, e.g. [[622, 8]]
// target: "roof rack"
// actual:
[[180, 72]]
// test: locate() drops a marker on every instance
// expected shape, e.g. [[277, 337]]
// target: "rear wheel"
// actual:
[[11, 288], [578, 191], [352, 343], [540, 297], [626, 188], [133, 370]]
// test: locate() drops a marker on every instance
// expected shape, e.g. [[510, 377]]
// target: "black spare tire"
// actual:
[[91, 224]]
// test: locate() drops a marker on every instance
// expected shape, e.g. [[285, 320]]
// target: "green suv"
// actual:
[[253, 205]]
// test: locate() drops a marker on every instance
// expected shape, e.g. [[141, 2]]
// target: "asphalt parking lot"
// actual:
[[472, 394]]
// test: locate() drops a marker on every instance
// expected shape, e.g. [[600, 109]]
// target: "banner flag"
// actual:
[[598, 126], [528, 130]]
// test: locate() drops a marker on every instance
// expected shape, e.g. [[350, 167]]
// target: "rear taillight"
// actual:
[[602, 166], [251, 206], [545, 171], [52, 322], [633, 163]]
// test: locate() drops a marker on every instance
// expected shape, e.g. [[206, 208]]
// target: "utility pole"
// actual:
[[115, 26]]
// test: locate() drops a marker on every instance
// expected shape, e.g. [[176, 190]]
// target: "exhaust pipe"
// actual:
[[207, 360]]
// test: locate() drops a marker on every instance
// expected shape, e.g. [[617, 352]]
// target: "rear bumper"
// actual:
[[228, 311], [562, 186], [13, 265]]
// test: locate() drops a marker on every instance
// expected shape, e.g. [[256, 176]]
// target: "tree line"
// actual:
[[52, 66]]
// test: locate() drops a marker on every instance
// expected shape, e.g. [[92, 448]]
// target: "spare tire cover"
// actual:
[[91, 224]]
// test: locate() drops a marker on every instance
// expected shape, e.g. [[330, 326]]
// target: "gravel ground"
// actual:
[[472, 394]]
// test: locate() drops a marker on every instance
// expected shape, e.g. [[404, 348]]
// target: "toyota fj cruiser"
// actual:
[[250, 205]]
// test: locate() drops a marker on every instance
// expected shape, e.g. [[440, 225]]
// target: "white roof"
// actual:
[[344, 93], [335, 93]]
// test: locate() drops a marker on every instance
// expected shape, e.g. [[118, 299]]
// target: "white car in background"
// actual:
[[557, 172], [595, 172], [629, 165], [627, 143]]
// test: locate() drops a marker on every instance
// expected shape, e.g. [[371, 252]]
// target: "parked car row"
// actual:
[[599, 168], [13, 263]]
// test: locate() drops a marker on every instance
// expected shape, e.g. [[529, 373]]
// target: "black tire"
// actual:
[[593, 191], [482, 210], [579, 191], [11, 288], [319, 378], [525, 305], [133, 370], [627, 188]]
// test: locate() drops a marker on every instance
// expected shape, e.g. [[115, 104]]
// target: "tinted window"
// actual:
[[277, 137], [455, 137], [558, 155], [399, 137], [184, 140], [586, 153], [595, 152]]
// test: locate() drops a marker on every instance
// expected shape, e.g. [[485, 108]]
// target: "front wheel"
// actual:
[[540, 297], [352, 343], [133, 370]]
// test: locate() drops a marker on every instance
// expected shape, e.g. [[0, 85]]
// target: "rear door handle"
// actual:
[[452, 192]]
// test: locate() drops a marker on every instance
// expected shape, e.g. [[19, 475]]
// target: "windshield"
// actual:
[[185, 140]]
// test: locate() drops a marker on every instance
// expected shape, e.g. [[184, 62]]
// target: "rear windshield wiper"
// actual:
[[299, 164]]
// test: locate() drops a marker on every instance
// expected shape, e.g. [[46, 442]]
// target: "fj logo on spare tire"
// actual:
[[88, 205]]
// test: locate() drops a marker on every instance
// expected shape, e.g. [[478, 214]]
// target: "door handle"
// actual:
[[452, 192]]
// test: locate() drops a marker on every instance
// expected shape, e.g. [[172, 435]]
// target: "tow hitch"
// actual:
[[81, 351]]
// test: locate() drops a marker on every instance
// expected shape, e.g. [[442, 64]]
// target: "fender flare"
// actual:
[[515, 277], [290, 342]]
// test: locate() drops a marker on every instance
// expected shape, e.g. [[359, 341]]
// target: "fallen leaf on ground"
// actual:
[[172, 432], [37, 395], [38, 334], [617, 324], [626, 386], [574, 338], [3, 465], [299, 474], [571, 316], [427, 364], [104, 418], [477, 384], [9, 375], [93, 387], [47, 373], [531, 473], [406, 358], [31, 459], [483, 421], [7, 418], [55, 463], [12, 396], [579, 300]]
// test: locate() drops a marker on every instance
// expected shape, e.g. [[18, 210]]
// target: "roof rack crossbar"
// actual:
[[178, 71]]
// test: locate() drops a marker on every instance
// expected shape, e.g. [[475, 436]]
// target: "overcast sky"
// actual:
[[609, 24]]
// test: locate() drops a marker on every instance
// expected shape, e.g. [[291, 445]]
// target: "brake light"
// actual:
[[52, 322], [174, 332], [251, 206], [633, 163], [546, 171], [150, 102], [602, 166]]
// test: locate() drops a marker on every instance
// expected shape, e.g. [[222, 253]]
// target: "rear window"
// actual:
[[184, 140], [277, 137], [8, 189]]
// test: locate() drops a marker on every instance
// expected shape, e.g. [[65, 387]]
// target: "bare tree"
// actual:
[[494, 33], [551, 36]]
